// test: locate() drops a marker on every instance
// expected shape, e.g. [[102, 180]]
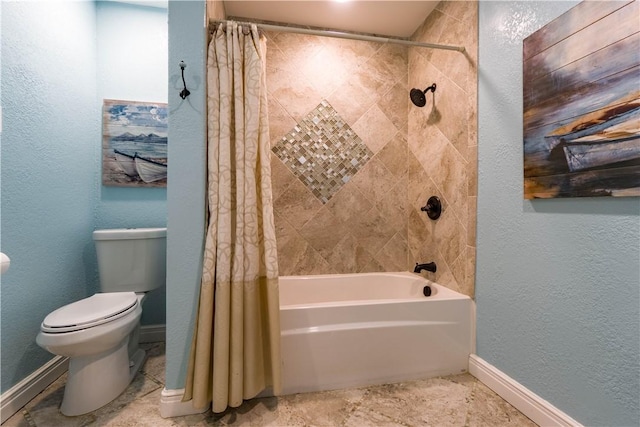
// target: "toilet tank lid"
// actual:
[[130, 233]]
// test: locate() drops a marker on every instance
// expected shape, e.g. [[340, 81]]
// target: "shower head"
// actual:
[[417, 95]]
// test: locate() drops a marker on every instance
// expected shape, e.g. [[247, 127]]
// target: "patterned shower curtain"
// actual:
[[236, 347]]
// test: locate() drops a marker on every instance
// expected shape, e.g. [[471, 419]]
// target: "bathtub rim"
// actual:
[[442, 292]]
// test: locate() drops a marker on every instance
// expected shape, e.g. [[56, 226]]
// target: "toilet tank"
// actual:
[[131, 259]]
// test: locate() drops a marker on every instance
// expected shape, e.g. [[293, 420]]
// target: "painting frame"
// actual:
[[134, 143], [581, 103]]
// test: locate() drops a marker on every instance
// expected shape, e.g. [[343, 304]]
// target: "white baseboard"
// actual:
[[171, 404], [152, 333], [12, 400], [533, 406]]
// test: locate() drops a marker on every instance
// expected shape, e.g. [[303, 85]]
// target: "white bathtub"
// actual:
[[352, 330]]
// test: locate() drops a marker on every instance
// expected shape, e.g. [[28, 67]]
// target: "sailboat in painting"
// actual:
[[126, 163], [150, 170], [136, 166], [605, 137]]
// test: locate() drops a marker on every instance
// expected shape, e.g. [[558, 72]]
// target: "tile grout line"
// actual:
[[356, 406], [472, 398], [27, 417]]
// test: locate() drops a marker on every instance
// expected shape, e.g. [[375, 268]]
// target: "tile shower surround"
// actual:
[[370, 219], [322, 151]]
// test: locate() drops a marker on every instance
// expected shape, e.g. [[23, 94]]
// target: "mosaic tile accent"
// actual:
[[323, 151]]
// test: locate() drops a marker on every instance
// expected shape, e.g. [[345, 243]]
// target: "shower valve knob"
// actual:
[[433, 208]]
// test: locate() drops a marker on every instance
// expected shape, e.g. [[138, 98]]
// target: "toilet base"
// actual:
[[136, 363], [93, 381]]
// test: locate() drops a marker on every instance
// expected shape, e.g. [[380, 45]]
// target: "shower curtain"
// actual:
[[235, 353]]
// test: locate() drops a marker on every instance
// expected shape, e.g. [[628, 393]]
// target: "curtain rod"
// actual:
[[351, 36]]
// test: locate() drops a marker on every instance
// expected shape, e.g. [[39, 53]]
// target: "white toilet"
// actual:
[[99, 334]]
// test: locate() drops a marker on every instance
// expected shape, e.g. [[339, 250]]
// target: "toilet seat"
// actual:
[[89, 312]]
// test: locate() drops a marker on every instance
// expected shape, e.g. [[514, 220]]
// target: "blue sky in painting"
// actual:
[[138, 118]]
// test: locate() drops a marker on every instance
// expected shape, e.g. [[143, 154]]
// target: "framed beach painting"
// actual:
[[134, 144], [581, 106]]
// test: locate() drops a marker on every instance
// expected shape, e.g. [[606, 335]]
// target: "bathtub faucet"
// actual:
[[430, 266]]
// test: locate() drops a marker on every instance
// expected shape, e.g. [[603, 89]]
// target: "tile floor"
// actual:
[[458, 400]]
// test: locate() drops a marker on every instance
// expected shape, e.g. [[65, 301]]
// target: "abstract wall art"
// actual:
[[581, 106]]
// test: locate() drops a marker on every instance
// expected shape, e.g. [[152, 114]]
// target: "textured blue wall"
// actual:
[[186, 190], [53, 82], [49, 160], [132, 50], [558, 281]]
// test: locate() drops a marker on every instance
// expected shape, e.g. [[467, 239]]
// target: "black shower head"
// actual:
[[417, 95]]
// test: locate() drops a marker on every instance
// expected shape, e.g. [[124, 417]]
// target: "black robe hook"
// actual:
[[185, 92]]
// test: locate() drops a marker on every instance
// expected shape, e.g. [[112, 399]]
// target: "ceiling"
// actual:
[[382, 17], [395, 18]]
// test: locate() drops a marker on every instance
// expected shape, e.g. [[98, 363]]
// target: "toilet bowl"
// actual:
[[94, 333], [99, 334]]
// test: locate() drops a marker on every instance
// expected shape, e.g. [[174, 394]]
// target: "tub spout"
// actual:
[[431, 266]]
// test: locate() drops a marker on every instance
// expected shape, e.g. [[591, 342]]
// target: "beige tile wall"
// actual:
[[363, 227], [374, 223], [443, 145]]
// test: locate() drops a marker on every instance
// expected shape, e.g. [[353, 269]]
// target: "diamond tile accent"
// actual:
[[323, 151]]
